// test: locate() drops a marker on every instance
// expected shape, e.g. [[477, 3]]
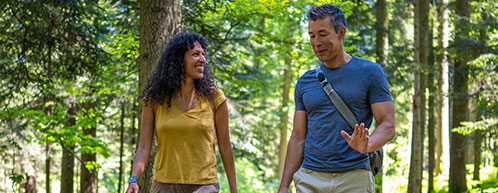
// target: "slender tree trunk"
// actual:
[[432, 92], [477, 154], [382, 46], [286, 84], [88, 177], [67, 165], [47, 168], [431, 132], [419, 109], [121, 146], [483, 36], [284, 117], [259, 50], [443, 87], [382, 41], [159, 21], [5, 179], [458, 181], [30, 186], [133, 129]]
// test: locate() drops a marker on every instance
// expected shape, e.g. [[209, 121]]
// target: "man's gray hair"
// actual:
[[337, 18]]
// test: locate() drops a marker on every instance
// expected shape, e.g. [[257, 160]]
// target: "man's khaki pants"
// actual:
[[357, 181]]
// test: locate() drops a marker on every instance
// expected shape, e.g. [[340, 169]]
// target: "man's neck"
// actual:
[[341, 60]]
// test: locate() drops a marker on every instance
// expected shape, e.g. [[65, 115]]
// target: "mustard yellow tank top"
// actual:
[[186, 143]]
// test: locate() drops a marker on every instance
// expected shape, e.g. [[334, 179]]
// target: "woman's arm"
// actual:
[[144, 146], [225, 146]]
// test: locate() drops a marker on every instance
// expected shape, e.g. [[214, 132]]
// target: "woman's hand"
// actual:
[[132, 188]]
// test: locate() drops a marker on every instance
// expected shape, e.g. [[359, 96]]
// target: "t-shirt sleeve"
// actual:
[[298, 96], [219, 97], [379, 86]]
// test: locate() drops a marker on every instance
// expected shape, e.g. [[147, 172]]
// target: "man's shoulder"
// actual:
[[307, 80], [364, 62], [308, 74], [367, 65]]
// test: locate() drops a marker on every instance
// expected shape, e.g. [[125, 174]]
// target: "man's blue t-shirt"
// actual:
[[360, 83]]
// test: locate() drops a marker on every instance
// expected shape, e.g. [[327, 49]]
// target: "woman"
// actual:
[[185, 108]]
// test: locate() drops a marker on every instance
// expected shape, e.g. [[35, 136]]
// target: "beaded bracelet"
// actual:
[[133, 179]]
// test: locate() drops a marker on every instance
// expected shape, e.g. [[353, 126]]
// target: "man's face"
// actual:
[[326, 43]]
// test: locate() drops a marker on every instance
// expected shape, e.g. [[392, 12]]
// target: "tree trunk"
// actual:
[[458, 172], [48, 187], [88, 178], [432, 92], [259, 50], [286, 84], [443, 88], [30, 186], [381, 32], [284, 117], [477, 154], [67, 165], [483, 36], [159, 21], [133, 130], [121, 144], [419, 109], [382, 47]]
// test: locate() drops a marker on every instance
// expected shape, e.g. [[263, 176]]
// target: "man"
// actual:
[[324, 153]]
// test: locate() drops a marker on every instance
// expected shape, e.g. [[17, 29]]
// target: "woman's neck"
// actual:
[[187, 88]]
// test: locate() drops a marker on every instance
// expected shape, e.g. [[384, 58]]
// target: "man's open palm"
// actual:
[[359, 139]]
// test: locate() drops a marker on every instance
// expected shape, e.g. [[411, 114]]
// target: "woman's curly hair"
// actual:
[[167, 78]]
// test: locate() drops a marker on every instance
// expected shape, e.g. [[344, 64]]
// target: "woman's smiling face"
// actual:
[[194, 62]]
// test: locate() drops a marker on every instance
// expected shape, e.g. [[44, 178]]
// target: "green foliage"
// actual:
[[488, 182], [467, 128], [247, 179], [16, 179]]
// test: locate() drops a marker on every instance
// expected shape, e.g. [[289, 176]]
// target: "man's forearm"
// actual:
[[383, 133], [293, 160]]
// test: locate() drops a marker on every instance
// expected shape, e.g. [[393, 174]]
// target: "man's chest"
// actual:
[[355, 95]]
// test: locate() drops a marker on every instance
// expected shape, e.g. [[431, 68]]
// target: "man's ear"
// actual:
[[342, 32]]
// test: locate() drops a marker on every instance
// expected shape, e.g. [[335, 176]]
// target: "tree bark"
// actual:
[[133, 130], [284, 117], [89, 177], [259, 50], [67, 165], [30, 186], [458, 172], [48, 187], [286, 84], [381, 32], [121, 144], [419, 106], [432, 103], [483, 36], [382, 46], [159, 21], [477, 154], [443, 87]]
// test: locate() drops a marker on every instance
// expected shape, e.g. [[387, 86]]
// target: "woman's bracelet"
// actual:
[[133, 179]]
